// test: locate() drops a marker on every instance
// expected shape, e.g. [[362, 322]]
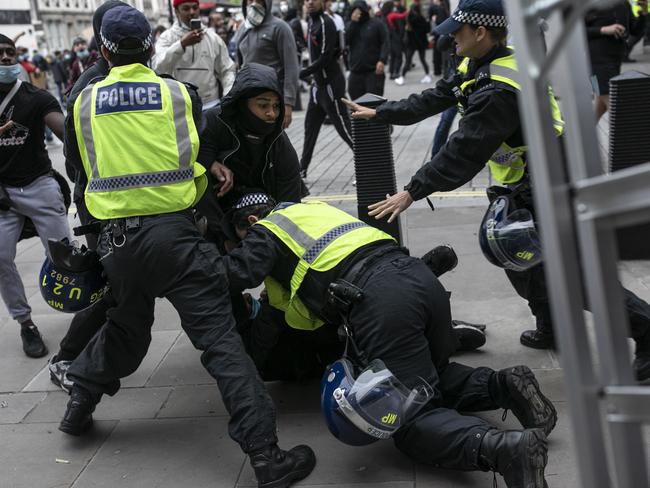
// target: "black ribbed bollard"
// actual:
[[374, 166], [629, 145]]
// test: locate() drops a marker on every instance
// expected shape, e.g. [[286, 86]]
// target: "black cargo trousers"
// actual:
[[404, 319], [164, 256]]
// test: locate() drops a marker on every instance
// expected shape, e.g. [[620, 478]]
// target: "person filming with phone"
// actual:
[[193, 54]]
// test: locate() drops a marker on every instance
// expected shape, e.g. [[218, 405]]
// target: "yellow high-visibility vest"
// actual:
[[138, 144], [321, 236], [507, 164]]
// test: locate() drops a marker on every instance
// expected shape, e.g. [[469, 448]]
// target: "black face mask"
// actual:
[[255, 129]]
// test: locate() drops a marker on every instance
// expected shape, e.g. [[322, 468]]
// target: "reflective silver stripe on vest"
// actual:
[[85, 111], [326, 239], [183, 142], [180, 121], [313, 247], [504, 72], [141, 180], [304, 240]]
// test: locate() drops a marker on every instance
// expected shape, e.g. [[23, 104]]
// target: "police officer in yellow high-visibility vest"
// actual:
[[402, 317], [490, 132], [138, 142]]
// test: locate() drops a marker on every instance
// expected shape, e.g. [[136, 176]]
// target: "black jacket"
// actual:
[[609, 49], [491, 118], [221, 141], [368, 41], [262, 254], [323, 44]]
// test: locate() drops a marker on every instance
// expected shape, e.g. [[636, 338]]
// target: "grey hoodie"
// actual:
[[271, 43]]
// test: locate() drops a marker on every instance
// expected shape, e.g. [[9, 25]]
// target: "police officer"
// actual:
[[404, 320], [138, 142], [485, 88]]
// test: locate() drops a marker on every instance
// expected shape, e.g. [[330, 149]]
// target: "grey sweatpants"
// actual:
[[42, 202]]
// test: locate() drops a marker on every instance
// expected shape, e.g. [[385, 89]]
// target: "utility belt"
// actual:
[[357, 274], [119, 228]]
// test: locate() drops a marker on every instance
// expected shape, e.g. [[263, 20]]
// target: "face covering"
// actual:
[[9, 74], [255, 128], [83, 54], [255, 14]]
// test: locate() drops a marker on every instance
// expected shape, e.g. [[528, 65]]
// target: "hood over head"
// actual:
[[99, 15], [250, 81], [363, 6], [268, 14]]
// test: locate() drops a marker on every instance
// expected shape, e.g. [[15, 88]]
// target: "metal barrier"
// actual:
[[579, 209]]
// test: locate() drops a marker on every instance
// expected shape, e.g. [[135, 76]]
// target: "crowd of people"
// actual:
[[188, 187]]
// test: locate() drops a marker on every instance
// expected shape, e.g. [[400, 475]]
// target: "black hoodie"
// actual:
[[276, 168], [368, 40]]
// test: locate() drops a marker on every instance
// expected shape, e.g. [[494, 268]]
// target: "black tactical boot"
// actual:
[[520, 456], [78, 416], [541, 338], [275, 468], [526, 400]]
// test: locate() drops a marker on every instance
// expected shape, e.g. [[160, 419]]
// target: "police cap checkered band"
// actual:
[[476, 18], [253, 199], [124, 22]]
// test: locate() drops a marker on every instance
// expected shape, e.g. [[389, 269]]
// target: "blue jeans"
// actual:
[[442, 132]]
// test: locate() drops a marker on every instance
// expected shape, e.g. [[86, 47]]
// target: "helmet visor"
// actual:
[[515, 241], [381, 403]]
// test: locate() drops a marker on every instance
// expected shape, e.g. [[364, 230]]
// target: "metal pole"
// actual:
[[554, 213]]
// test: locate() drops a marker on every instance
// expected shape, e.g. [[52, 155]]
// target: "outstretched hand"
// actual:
[[359, 111], [393, 205]]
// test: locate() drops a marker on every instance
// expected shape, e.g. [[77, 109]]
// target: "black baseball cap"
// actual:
[[125, 22], [488, 13]]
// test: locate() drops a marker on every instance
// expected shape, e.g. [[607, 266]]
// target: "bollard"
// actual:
[[629, 145], [374, 166]]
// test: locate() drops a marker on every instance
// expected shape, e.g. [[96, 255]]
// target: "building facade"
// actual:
[[60, 21], [19, 16]]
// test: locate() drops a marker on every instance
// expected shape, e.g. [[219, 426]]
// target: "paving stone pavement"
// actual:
[[167, 427]]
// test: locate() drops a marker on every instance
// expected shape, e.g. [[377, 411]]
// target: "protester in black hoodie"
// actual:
[[241, 150], [369, 48], [328, 85]]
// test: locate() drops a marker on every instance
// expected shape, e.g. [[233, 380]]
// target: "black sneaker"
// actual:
[[58, 374], [537, 339], [78, 415], [33, 344], [526, 400], [469, 338], [481, 327], [275, 468]]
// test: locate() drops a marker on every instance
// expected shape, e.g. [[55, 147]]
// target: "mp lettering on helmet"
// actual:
[[128, 97]]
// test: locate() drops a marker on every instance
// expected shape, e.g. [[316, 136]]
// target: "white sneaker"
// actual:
[[426, 79], [400, 80]]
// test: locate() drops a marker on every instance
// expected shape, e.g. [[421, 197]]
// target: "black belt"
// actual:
[[355, 273]]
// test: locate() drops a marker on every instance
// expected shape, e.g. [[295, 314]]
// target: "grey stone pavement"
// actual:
[[167, 426]]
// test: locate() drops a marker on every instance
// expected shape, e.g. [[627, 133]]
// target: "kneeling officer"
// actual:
[[138, 142], [402, 319]]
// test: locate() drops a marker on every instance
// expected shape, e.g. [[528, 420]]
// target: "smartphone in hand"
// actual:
[[195, 24]]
